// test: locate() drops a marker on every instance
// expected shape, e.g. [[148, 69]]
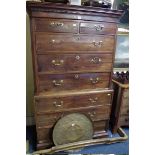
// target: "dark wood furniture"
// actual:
[[120, 105], [73, 51]]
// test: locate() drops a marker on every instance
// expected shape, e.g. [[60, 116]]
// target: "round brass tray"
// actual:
[[72, 128]]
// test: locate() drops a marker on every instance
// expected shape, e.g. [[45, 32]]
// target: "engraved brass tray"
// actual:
[[72, 128]]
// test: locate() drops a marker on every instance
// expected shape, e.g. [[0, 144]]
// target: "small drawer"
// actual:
[[73, 81], [51, 104], [51, 25], [97, 28], [94, 113], [78, 43], [69, 63]]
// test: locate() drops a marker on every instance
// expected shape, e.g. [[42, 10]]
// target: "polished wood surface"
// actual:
[[97, 28], [76, 81], [68, 42], [73, 51], [46, 105], [54, 25], [57, 63], [64, 93], [95, 113]]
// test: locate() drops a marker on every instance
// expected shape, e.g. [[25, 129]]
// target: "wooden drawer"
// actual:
[[45, 134], [52, 25], [51, 104], [97, 28], [69, 43], [73, 81], [67, 63], [124, 120], [94, 113]]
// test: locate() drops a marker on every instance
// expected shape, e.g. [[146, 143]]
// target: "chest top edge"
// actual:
[[43, 9]]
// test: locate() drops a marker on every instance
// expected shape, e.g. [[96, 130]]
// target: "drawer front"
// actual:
[[51, 25], [98, 28], [52, 42], [73, 81], [95, 114], [124, 120], [45, 134], [47, 105], [62, 63]]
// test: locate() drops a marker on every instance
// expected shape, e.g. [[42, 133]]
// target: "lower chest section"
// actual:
[[96, 106]]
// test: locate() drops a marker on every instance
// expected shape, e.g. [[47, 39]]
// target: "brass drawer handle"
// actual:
[[57, 63], [56, 83], [92, 114], [96, 60], [97, 44], [95, 80], [53, 24], [98, 27], [93, 101], [58, 104]]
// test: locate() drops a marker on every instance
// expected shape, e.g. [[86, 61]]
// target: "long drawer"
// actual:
[[94, 113], [53, 104], [53, 42], [63, 63], [73, 81], [45, 134]]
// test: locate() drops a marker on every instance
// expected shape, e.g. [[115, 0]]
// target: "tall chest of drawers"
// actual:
[[73, 51]]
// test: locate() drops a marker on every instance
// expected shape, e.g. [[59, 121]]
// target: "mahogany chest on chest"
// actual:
[[73, 50]]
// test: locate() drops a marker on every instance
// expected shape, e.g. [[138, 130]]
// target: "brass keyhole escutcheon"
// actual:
[[76, 76], [77, 57]]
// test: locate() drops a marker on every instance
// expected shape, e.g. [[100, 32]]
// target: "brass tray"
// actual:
[[72, 128]]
